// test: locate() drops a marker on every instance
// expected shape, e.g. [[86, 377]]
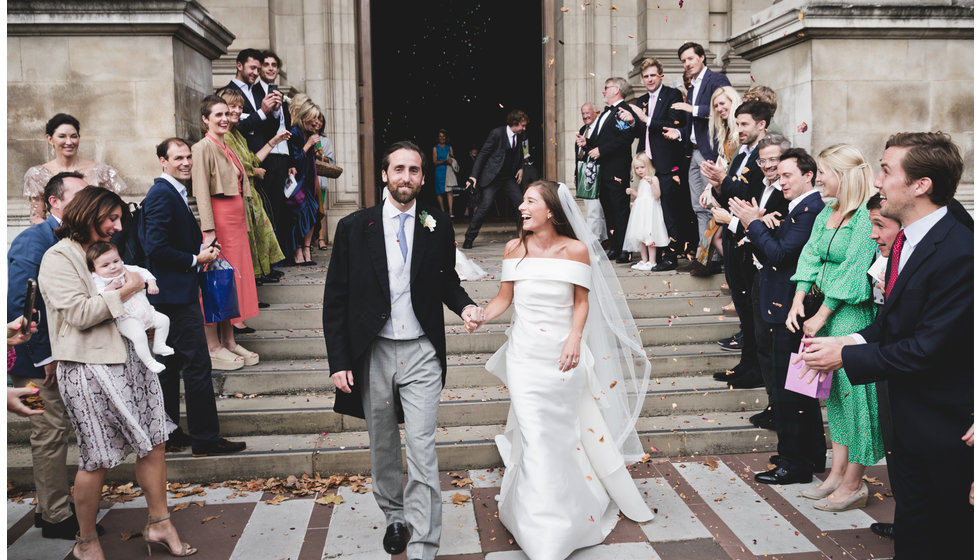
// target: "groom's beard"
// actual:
[[400, 196]]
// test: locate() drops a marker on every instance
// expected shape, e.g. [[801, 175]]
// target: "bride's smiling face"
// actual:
[[534, 211]]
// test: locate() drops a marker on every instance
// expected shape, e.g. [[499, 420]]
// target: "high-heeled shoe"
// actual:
[[185, 549], [857, 500], [309, 261], [79, 540], [815, 492]]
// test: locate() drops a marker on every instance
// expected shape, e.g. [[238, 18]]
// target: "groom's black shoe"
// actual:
[[396, 538]]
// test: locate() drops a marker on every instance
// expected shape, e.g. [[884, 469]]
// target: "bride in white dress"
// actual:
[[576, 372]]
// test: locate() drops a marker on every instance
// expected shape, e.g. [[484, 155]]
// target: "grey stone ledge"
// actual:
[[189, 21], [780, 26]]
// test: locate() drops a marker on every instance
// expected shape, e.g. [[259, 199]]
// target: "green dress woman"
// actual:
[[836, 259]]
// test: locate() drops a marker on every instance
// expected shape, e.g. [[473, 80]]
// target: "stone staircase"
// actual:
[[283, 407]]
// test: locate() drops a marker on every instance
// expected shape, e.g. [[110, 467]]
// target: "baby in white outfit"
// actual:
[[108, 273]]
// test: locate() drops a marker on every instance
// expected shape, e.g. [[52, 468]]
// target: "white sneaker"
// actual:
[[643, 266], [639, 265]]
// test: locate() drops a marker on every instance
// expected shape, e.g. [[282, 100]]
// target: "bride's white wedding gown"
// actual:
[[565, 478]]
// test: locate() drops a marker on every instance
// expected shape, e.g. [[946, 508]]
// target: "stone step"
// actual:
[[471, 406], [309, 343], [665, 304], [465, 370], [306, 287], [463, 447]]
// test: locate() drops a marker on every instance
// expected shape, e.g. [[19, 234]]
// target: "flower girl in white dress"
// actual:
[[646, 229]]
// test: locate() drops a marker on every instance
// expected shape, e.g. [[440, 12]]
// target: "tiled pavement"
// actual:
[[708, 508]]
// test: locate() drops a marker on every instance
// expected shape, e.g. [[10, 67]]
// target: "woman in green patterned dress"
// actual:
[[261, 236], [836, 258]]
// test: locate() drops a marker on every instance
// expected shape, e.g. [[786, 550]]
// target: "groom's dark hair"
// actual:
[[401, 145]]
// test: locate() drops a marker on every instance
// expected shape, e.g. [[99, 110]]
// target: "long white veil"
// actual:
[[621, 366]]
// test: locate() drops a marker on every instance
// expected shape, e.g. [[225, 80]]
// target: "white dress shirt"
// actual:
[[247, 92], [747, 151], [605, 114], [511, 137], [182, 191], [696, 87], [402, 325], [914, 233]]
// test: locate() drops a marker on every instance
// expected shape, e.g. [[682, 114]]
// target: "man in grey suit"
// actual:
[[387, 351], [497, 169]]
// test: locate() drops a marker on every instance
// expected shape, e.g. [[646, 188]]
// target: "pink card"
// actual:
[[817, 389]]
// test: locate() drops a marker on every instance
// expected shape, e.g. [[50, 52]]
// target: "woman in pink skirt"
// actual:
[[220, 185]]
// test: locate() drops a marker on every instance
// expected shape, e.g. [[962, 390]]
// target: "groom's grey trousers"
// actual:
[[406, 373]]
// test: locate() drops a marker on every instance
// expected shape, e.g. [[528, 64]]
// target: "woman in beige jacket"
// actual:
[[221, 187], [114, 401]]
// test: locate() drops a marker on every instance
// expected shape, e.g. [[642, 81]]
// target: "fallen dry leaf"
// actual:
[[460, 499], [330, 499]]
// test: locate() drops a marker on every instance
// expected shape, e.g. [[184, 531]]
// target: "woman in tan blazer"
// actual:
[[221, 188], [114, 401]]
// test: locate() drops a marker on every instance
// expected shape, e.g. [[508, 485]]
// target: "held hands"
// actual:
[[721, 215], [744, 211], [473, 318], [672, 133]]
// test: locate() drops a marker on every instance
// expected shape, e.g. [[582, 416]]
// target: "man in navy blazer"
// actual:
[[704, 82], [799, 426], [656, 112], [258, 122], [922, 343], [497, 168], [49, 431], [171, 238]]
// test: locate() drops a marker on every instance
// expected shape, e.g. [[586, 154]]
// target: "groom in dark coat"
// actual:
[[392, 268]]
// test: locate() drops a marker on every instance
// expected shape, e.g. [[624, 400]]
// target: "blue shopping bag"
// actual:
[[219, 296]]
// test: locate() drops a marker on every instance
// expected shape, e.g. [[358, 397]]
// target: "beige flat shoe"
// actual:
[[224, 360], [816, 493], [857, 500], [251, 358]]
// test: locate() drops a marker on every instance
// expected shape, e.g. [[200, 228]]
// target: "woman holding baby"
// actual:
[[114, 401]]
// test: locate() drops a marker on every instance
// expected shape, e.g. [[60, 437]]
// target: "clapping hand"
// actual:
[[473, 318], [746, 212]]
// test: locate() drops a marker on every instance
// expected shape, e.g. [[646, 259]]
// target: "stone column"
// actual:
[[133, 73], [861, 72]]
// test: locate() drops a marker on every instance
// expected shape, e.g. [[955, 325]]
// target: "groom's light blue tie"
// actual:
[[401, 235]]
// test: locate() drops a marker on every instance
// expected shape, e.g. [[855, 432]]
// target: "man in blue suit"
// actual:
[[922, 343], [704, 82], [49, 431], [171, 238], [799, 426]]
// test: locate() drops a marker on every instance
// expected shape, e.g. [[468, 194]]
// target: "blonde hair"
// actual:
[[303, 109], [641, 157], [854, 173], [725, 131]]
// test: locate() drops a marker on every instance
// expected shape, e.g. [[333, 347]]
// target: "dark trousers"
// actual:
[[763, 338], [668, 203], [276, 170], [506, 185], [192, 362], [799, 426], [616, 207], [933, 515], [740, 274]]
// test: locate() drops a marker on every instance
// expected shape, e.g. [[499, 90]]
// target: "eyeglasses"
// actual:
[[762, 162]]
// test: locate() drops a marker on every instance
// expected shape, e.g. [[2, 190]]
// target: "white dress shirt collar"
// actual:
[[918, 229], [390, 211], [796, 201], [177, 185]]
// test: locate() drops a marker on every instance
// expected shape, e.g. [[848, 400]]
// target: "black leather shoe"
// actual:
[[611, 254], [246, 330], [623, 257], [396, 538], [468, 244], [702, 271], [735, 337], [66, 529], [270, 279], [665, 266], [177, 441], [734, 345], [220, 446], [818, 466], [781, 475], [886, 530], [725, 375], [765, 417], [749, 380], [686, 266], [264, 305]]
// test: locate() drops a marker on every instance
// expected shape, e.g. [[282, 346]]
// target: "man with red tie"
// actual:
[[922, 343]]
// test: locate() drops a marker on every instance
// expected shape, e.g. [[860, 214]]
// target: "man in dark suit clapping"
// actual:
[[498, 168], [799, 426], [922, 343], [613, 139], [391, 271], [171, 238]]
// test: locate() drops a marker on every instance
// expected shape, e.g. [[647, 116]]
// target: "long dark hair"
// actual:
[[90, 207], [549, 194]]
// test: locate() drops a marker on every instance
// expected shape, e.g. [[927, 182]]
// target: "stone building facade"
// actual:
[[134, 71]]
